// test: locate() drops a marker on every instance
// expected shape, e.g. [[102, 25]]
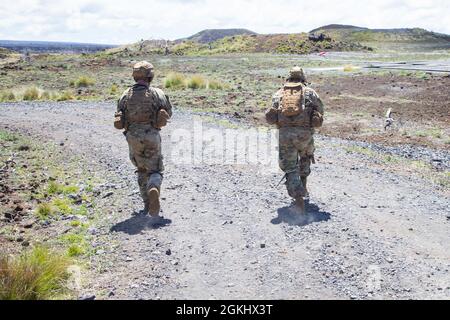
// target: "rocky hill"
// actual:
[[384, 36], [211, 35]]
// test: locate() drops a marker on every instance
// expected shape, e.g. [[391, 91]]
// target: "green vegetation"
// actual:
[[196, 82], [7, 96], [45, 210], [63, 205], [436, 133], [76, 242], [178, 81], [75, 250], [57, 188], [175, 80], [31, 94], [66, 95], [6, 136], [114, 89], [82, 82], [35, 275], [215, 85]]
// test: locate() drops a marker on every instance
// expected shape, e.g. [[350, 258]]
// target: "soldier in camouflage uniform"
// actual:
[[296, 110], [142, 111]]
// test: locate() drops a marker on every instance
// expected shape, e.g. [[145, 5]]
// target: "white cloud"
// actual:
[[118, 21]]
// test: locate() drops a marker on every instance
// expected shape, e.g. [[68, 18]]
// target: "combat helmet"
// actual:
[[296, 74], [143, 70]]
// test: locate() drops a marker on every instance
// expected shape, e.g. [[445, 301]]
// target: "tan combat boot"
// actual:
[[153, 202]]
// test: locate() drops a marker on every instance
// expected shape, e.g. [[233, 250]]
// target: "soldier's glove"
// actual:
[[118, 121], [272, 116], [316, 119], [162, 118]]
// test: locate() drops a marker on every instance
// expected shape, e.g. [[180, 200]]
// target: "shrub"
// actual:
[[45, 210], [35, 275], [83, 81], [196, 82], [54, 188], [215, 85], [175, 80], [7, 96], [63, 205], [75, 250], [66, 95], [114, 89], [31, 94]]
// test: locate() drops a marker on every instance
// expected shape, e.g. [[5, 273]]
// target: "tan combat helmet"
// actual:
[[297, 74], [143, 70]]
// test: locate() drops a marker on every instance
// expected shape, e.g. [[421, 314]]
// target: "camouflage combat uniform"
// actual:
[[296, 141], [140, 105]]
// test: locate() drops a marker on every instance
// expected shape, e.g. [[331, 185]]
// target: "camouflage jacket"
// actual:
[[160, 101]]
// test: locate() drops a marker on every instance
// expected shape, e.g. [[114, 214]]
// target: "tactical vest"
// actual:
[[292, 111], [141, 106]]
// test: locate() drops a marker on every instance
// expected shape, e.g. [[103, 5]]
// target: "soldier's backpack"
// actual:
[[141, 106], [293, 99]]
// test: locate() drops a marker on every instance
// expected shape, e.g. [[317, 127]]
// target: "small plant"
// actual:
[[35, 275], [114, 89], [63, 205], [196, 82], [215, 85], [54, 188], [75, 223], [8, 96], [65, 96], [45, 95], [45, 210], [82, 82], [175, 80], [75, 250], [31, 94]]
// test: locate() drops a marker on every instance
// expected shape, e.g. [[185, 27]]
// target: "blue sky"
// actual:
[[120, 22]]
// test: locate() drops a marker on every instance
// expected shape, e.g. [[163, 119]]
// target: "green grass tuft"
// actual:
[[75, 250], [175, 80], [82, 82], [31, 94], [65, 96], [45, 210], [196, 82], [8, 96], [38, 274], [63, 205]]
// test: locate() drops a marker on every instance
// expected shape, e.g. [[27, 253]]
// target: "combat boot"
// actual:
[[153, 202], [304, 182]]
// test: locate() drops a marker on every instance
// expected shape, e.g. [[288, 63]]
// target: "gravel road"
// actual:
[[230, 232]]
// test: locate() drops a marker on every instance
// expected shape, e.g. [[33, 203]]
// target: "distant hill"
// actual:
[[334, 37], [385, 37], [57, 47], [211, 35], [5, 53]]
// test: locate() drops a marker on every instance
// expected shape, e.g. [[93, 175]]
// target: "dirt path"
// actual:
[[230, 232]]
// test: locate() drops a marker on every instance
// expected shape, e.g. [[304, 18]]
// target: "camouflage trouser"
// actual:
[[296, 149], [145, 153]]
